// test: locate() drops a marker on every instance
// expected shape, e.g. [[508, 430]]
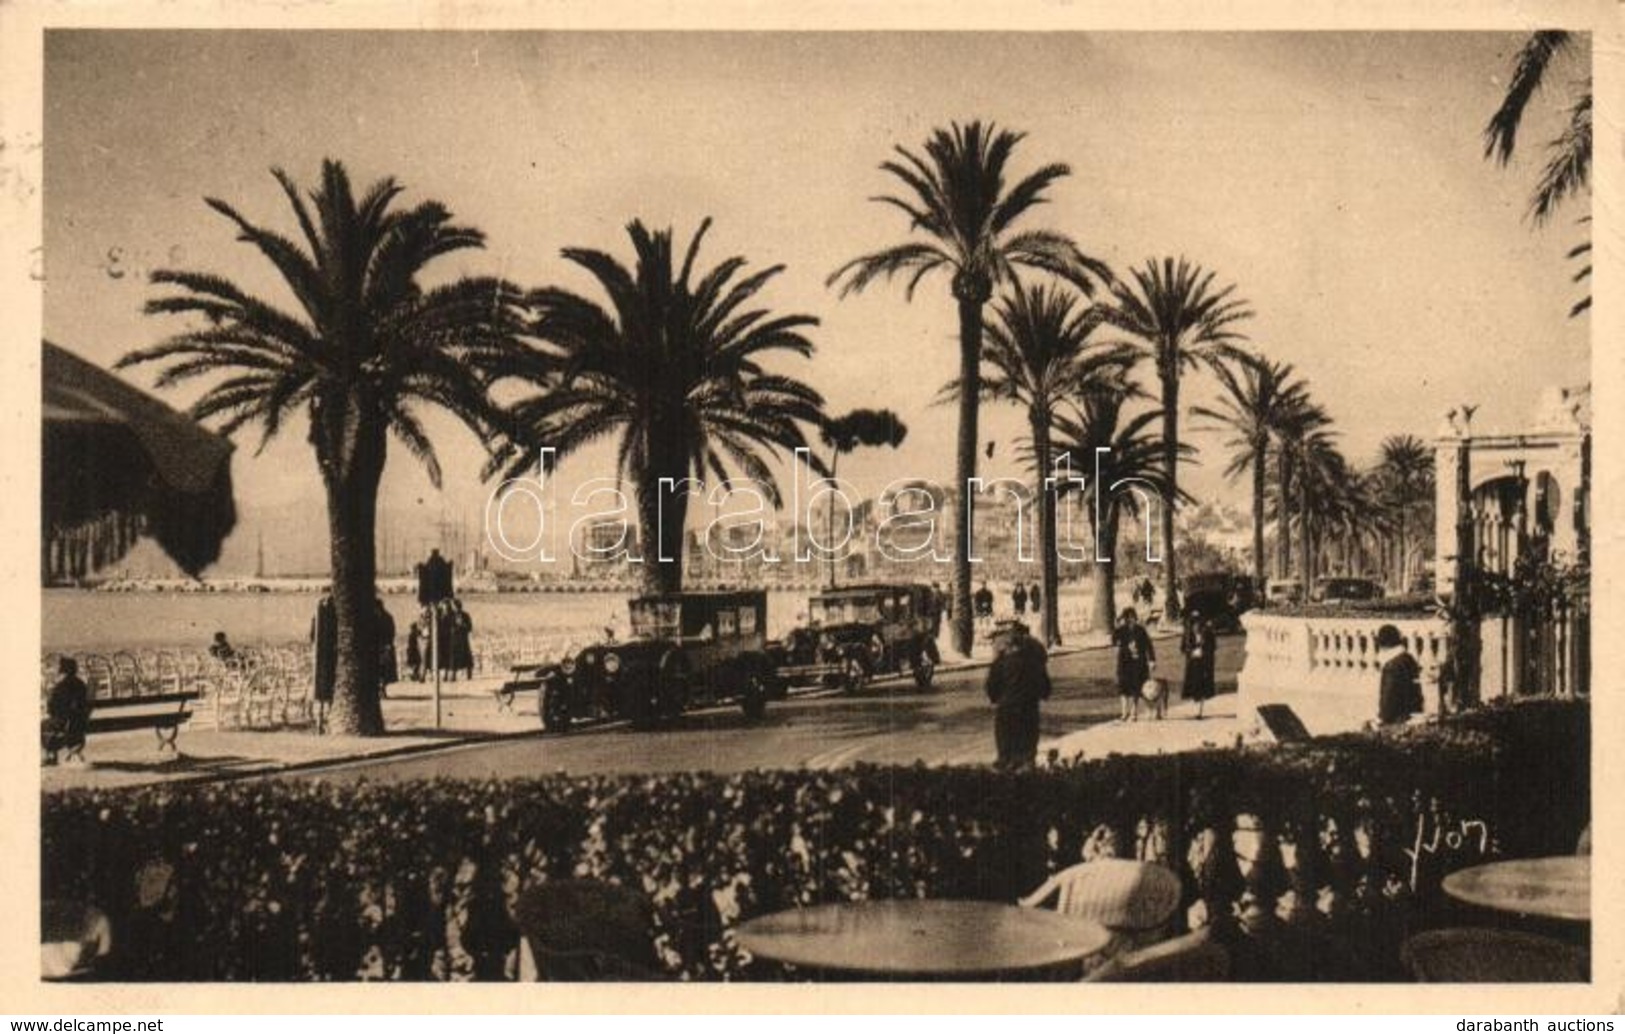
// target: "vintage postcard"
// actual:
[[767, 508]]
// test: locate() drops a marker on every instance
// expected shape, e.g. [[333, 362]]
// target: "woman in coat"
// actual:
[[414, 650], [324, 638], [1198, 644], [1135, 662], [388, 667]]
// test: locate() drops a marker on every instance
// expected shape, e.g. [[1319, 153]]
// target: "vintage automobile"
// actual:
[[687, 649], [1222, 596], [1346, 590], [856, 633]]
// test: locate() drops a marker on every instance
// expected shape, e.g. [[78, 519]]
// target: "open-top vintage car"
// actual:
[[687, 649], [859, 632]]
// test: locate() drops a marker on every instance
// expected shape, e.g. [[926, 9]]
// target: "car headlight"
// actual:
[[612, 663], [568, 666], [826, 642]]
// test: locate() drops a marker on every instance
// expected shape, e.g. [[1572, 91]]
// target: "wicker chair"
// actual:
[[1133, 900], [1482, 956], [1194, 958], [585, 931]]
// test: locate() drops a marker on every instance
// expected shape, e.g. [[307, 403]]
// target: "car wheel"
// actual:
[[555, 708]]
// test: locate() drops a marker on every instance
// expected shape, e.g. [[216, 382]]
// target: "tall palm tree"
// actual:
[[956, 198], [366, 347], [1318, 469], [1037, 353], [674, 370], [1258, 395], [1302, 419], [1405, 469], [850, 432], [1182, 322], [1134, 454]]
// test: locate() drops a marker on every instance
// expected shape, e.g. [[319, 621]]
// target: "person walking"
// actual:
[[1018, 600], [982, 606], [1135, 662], [67, 712], [1017, 681], [324, 640], [444, 654], [389, 669], [1198, 643], [414, 650], [462, 639]]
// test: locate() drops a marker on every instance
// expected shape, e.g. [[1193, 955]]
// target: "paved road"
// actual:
[[889, 723]]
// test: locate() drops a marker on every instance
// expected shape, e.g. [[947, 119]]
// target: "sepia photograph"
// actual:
[[802, 507]]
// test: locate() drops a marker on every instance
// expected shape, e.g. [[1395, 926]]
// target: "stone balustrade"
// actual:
[[1326, 668]]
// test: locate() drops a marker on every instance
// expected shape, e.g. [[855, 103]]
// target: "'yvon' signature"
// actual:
[[1465, 834]]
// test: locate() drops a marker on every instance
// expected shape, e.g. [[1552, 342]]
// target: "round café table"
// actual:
[[1548, 888], [923, 939]]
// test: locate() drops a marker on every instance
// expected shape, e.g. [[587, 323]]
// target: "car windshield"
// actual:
[[845, 610], [656, 619]]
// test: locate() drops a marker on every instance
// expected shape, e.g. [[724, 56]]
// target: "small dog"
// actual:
[[1155, 694]]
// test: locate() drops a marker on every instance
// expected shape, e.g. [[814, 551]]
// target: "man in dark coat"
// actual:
[[324, 637], [1401, 691], [1016, 681], [67, 712]]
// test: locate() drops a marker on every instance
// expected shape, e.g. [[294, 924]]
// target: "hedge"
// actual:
[[1304, 857]]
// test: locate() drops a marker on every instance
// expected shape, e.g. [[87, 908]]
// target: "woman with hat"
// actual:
[[1400, 695], [1135, 662], [1198, 644]]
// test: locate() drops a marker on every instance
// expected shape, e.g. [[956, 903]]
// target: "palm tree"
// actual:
[[1568, 167], [1037, 353], [673, 370], [850, 432], [1258, 397], [1183, 322], [1303, 418], [1318, 470], [1134, 454], [1406, 476], [367, 345], [956, 197]]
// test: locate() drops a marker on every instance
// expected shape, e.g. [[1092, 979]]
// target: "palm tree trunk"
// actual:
[[1050, 574], [1283, 515], [829, 515], [1404, 559], [660, 532], [1170, 467], [1305, 577], [1260, 458], [970, 390], [1103, 608], [352, 512]]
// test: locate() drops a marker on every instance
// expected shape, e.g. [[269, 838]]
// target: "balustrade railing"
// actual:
[[1327, 668]]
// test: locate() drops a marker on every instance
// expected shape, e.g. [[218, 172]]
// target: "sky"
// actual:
[[1337, 179]]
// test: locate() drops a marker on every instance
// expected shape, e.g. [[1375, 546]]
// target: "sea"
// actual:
[[90, 621]]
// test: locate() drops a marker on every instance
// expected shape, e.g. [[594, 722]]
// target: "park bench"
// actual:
[[524, 679], [163, 713]]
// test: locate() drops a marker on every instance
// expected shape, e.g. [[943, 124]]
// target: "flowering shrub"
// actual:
[[1312, 860]]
